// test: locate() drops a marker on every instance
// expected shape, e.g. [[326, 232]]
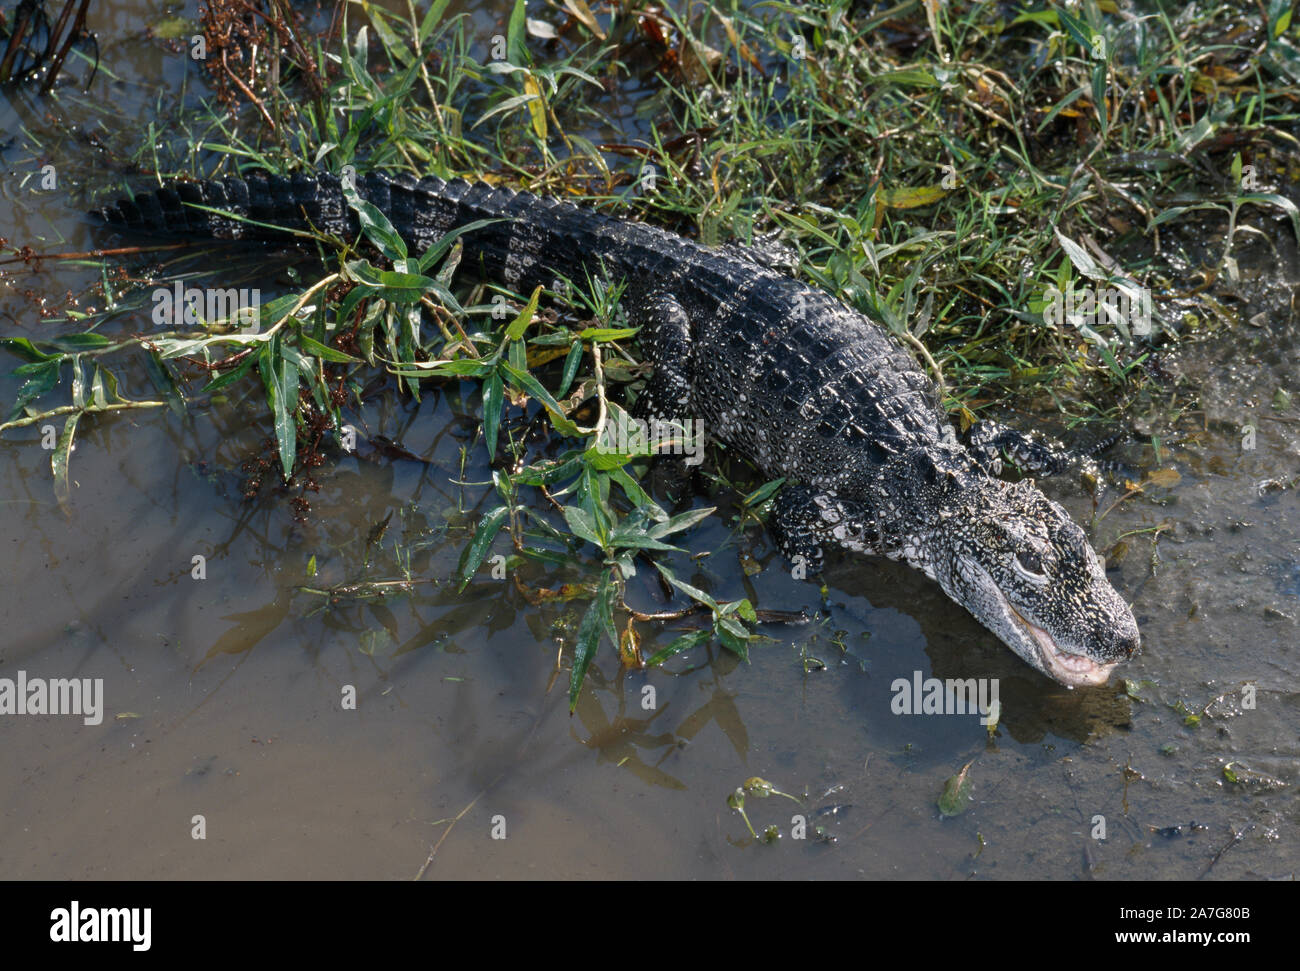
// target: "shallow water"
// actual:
[[224, 701]]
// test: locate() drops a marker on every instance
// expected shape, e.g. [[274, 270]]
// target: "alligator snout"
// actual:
[[1128, 645], [1119, 643]]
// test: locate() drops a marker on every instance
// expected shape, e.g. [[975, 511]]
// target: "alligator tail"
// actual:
[[301, 203], [527, 239]]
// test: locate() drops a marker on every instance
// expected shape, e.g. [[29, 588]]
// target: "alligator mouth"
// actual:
[[1069, 669]]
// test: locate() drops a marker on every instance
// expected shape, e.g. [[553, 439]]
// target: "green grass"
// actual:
[[940, 169]]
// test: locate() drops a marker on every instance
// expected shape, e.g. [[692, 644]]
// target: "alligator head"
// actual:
[[1024, 568]]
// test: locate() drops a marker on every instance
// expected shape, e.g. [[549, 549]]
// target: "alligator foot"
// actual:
[[796, 527], [1115, 470], [671, 477], [805, 522]]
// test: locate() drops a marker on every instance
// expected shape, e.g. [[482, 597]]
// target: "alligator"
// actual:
[[780, 371]]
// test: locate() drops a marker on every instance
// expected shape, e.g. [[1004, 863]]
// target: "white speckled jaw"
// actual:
[[1069, 669]]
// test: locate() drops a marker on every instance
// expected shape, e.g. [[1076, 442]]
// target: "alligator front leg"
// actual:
[[666, 343], [665, 402], [806, 522], [988, 440], [1036, 454]]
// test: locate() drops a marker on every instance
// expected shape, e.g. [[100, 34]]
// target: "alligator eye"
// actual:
[[1030, 562]]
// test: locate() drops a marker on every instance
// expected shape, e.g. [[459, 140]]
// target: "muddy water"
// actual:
[[301, 737]]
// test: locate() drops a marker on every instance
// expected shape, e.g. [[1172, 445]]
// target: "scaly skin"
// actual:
[[777, 370]]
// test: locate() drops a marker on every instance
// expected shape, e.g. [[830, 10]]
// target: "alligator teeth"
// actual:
[[1069, 669]]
